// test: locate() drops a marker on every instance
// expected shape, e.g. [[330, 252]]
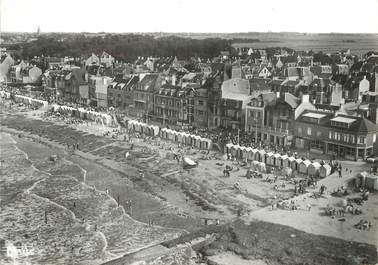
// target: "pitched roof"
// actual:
[[373, 59], [359, 125], [258, 84], [291, 100], [367, 126], [149, 82], [276, 82], [132, 82], [290, 83], [368, 68]]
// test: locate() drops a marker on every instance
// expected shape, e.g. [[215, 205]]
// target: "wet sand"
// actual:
[[42, 190]]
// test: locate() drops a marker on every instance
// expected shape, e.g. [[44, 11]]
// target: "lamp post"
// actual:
[[256, 128]]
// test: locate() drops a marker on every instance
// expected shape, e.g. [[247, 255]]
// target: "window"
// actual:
[[351, 139], [200, 102], [361, 140], [318, 133], [374, 138], [299, 130], [308, 130], [330, 135]]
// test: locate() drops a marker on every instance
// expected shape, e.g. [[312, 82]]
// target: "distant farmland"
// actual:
[[332, 42], [329, 43]]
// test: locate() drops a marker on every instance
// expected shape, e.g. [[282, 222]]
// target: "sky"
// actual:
[[312, 16]]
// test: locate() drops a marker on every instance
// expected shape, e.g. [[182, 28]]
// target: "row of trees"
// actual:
[[125, 47]]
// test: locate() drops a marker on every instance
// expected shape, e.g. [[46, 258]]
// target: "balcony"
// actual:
[[274, 130]]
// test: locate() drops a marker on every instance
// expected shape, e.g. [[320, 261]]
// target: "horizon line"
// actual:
[[188, 32]]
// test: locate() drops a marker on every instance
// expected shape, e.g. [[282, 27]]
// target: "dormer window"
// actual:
[[342, 122]]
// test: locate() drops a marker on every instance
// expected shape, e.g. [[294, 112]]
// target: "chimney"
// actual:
[[305, 98]]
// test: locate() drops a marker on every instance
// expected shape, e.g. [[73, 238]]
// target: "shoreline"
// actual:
[[36, 140], [50, 143]]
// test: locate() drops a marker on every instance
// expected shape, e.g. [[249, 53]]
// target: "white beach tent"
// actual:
[[261, 155], [228, 148], [303, 167], [163, 133], [198, 140], [269, 159], [236, 151], [284, 160], [295, 164], [249, 153], [206, 144], [180, 136], [324, 170], [277, 160], [243, 153], [254, 154], [313, 169]]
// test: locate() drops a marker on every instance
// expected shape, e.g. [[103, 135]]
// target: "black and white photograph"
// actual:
[[188, 132]]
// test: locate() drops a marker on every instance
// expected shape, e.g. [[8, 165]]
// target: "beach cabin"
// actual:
[[284, 161], [303, 167], [313, 169], [183, 137], [143, 128], [227, 148], [180, 136], [269, 160], [371, 182], [171, 134], [189, 139], [193, 139], [243, 153], [163, 133], [198, 140], [291, 160], [366, 181], [324, 170], [295, 164], [155, 129], [254, 154], [277, 160], [235, 150], [249, 153], [261, 155], [206, 144]]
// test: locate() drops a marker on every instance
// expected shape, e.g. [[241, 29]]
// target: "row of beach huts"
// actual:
[[306, 166], [85, 114], [30, 101], [171, 135]]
